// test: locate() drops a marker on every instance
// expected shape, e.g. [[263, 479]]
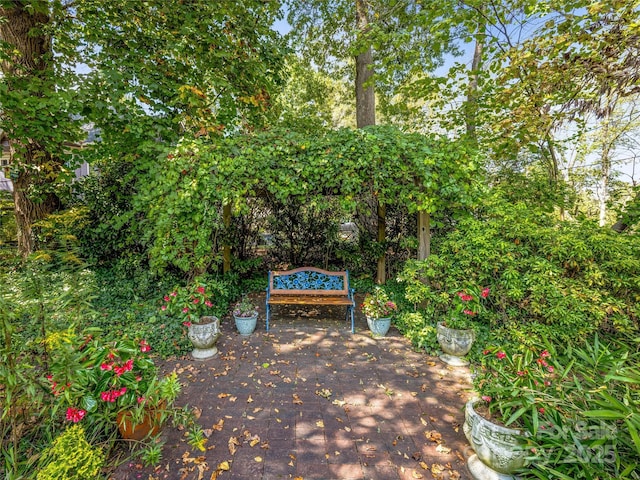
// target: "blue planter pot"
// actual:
[[379, 326], [246, 325]]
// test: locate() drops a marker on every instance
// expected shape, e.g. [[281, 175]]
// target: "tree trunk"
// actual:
[[626, 220], [32, 166], [365, 94], [472, 92]]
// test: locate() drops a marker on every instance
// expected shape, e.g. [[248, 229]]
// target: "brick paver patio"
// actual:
[[310, 400]]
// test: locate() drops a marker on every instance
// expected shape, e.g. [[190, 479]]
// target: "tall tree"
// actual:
[[144, 72]]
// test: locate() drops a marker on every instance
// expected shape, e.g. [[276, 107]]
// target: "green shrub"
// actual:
[[71, 457], [549, 279]]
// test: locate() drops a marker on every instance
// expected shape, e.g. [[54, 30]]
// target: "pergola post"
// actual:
[[226, 249], [382, 214], [424, 235]]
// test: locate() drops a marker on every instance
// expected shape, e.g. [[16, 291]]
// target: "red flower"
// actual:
[[545, 354], [501, 355], [186, 324], [111, 355], [208, 303], [485, 293], [541, 410], [486, 352], [163, 307], [542, 362], [465, 297], [174, 294], [144, 346], [486, 398], [166, 298], [140, 399], [468, 312], [200, 290], [521, 373], [106, 366], [75, 414], [196, 300], [550, 368], [185, 310]]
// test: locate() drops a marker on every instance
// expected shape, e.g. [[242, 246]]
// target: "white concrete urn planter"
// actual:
[[499, 450], [455, 344], [204, 336]]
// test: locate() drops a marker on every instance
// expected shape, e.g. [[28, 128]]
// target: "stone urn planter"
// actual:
[[379, 326], [455, 344], [246, 325], [499, 450], [204, 336]]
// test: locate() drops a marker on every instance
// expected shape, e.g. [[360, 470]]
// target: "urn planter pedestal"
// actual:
[[499, 450], [455, 344], [204, 336]]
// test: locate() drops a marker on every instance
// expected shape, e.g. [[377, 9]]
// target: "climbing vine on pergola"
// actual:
[[201, 178]]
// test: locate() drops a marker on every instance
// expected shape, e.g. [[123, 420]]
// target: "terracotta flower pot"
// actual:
[[150, 424]]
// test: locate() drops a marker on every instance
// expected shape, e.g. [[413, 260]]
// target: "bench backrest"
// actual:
[[308, 280]]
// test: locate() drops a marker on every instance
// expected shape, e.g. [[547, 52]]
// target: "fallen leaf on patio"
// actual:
[[433, 419], [269, 384], [196, 412], [325, 393], [296, 399], [257, 409], [223, 395], [233, 445], [459, 455], [254, 441], [340, 403], [423, 421], [207, 432], [347, 429], [423, 387], [218, 426], [287, 380], [265, 365], [258, 459], [437, 469], [434, 436], [274, 372], [415, 474], [442, 449], [233, 399], [249, 400], [454, 475], [431, 364], [320, 424], [417, 456], [424, 465], [414, 394]]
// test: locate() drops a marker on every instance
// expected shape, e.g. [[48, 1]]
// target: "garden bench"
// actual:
[[310, 286]]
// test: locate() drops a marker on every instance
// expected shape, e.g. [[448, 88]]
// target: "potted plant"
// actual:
[[115, 383], [192, 305], [456, 333], [379, 309], [511, 389], [245, 314]]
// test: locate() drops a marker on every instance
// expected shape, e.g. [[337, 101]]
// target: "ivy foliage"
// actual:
[[185, 191]]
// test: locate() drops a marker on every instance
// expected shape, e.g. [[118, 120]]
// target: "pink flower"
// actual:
[[486, 398], [542, 362], [545, 354], [166, 298], [75, 414], [186, 324], [547, 383], [520, 373], [174, 294], [486, 352], [550, 368], [541, 410], [468, 312], [106, 366], [106, 397], [501, 355], [208, 303], [163, 307], [465, 297], [196, 300], [185, 310], [123, 390], [140, 399], [485, 293], [200, 290], [144, 346], [111, 355]]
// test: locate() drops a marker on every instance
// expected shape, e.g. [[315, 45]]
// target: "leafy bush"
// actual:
[[558, 280], [71, 457]]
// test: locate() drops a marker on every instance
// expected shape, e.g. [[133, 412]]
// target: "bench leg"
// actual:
[[350, 316], [268, 309]]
